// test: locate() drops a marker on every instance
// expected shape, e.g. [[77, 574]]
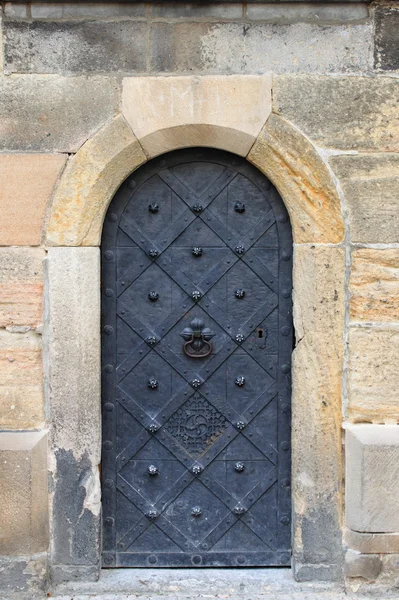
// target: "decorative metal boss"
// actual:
[[197, 336]]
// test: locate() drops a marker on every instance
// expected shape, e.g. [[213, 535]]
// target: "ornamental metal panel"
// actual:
[[197, 340]]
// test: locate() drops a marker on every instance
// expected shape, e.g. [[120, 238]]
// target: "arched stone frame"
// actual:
[[72, 233]]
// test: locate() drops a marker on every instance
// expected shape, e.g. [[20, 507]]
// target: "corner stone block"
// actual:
[[72, 374], [373, 380], [365, 566], [26, 182], [23, 493], [374, 285], [166, 113], [370, 183], [316, 399], [300, 175], [88, 184], [21, 380], [346, 113], [372, 476]]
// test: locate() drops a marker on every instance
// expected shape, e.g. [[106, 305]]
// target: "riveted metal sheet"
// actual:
[[196, 364]]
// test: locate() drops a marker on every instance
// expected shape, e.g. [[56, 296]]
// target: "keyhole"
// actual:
[[260, 333]]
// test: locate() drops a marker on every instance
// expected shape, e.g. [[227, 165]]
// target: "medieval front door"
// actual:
[[197, 339]]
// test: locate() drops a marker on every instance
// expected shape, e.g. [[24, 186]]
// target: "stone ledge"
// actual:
[[372, 543], [372, 473]]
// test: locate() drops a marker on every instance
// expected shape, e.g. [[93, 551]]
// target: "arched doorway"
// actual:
[[197, 322]]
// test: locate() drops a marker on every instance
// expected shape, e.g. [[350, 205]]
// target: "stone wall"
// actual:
[[71, 70]]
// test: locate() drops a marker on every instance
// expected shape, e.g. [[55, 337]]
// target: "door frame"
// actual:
[[72, 233]]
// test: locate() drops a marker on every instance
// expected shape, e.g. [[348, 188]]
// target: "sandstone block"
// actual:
[[21, 287], [74, 46], [365, 566], [46, 113], [72, 374], [213, 10], [323, 13], [166, 113], [371, 187], [372, 543], [349, 113], [252, 47], [386, 51], [374, 285], [21, 381], [88, 183], [316, 398], [90, 10], [302, 178], [26, 182], [23, 493], [372, 475], [373, 374]]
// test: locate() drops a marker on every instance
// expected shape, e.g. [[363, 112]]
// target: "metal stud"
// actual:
[[153, 207], [239, 293], [153, 470], [240, 380], [240, 249], [197, 208], [152, 514], [151, 340], [152, 383], [239, 207], [239, 467], [153, 296], [239, 338], [152, 427], [197, 251], [240, 425], [153, 253], [196, 511], [197, 469], [239, 510], [196, 383], [196, 295]]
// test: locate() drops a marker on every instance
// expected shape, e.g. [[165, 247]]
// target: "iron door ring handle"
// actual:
[[205, 351]]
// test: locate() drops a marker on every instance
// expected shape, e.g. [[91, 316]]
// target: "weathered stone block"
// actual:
[[372, 543], [26, 182], [365, 566], [23, 493], [74, 46], [349, 113], [373, 374], [72, 374], [316, 399], [372, 475], [176, 10], [224, 112], [371, 187], [46, 113], [88, 183], [261, 48], [386, 48], [323, 13], [21, 380], [91, 10], [23, 577], [374, 285], [21, 286], [300, 175]]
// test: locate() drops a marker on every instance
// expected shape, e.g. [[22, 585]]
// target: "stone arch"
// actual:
[[73, 231], [272, 144]]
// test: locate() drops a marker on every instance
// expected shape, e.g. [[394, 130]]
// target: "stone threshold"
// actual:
[[168, 584]]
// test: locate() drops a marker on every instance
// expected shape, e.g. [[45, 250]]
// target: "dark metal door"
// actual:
[[197, 339]]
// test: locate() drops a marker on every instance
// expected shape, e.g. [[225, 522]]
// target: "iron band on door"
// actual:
[[197, 339]]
